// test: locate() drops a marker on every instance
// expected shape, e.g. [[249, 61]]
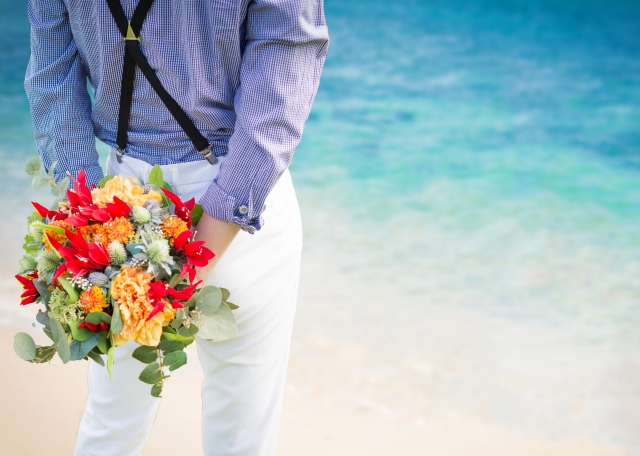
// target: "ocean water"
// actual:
[[469, 181]]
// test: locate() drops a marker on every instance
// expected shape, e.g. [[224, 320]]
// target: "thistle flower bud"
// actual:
[[28, 263], [35, 232], [158, 251], [146, 188], [98, 279], [141, 215], [47, 262], [117, 253]]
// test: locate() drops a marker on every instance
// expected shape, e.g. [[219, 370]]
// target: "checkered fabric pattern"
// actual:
[[245, 71]]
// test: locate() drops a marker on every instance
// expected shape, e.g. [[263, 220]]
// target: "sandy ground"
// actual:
[[42, 405]]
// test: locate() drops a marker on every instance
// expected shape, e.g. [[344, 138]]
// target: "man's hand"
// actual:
[[218, 235]]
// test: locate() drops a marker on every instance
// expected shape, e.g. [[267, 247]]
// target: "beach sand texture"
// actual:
[[42, 406]]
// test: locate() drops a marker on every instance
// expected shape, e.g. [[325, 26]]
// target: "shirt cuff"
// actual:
[[223, 206]]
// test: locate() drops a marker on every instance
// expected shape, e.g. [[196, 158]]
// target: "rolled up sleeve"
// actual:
[[286, 46], [56, 86]]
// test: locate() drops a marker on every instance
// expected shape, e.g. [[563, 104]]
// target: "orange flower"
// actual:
[[129, 289], [173, 226], [120, 229], [61, 238], [128, 190], [92, 300], [86, 231], [100, 233]]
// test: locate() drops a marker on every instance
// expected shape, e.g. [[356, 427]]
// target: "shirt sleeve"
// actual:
[[286, 45], [56, 86]]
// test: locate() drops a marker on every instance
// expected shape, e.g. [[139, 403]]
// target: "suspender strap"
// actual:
[[133, 55]]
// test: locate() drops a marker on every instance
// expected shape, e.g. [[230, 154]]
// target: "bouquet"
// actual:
[[114, 263]]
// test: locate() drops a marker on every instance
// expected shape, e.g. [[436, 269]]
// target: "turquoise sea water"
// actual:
[[476, 155]]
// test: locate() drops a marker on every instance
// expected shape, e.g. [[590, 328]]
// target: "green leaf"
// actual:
[[209, 299], [151, 374], [220, 325], [176, 337], [52, 169], [156, 390], [176, 323], [169, 346], [96, 317], [225, 294], [166, 185], [96, 357], [103, 343], [64, 184], [44, 354], [30, 249], [43, 290], [174, 281], [70, 289], [80, 334], [81, 349], [24, 346], [110, 361], [55, 229], [60, 338], [155, 176], [43, 319], [117, 325], [187, 332], [145, 354], [232, 306], [196, 214], [105, 179], [49, 334], [32, 166], [175, 360], [39, 182]]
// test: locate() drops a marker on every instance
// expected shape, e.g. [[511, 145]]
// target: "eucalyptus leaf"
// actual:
[[52, 168], [24, 346], [43, 291], [145, 354], [169, 346], [156, 390], [110, 354], [232, 306], [60, 338], [44, 354], [81, 349], [103, 343], [43, 319], [117, 325], [218, 326], [209, 299], [187, 332], [96, 317], [32, 166], [175, 360], [48, 333], [151, 374], [105, 179], [64, 184], [39, 182], [96, 357], [225, 293], [176, 323]]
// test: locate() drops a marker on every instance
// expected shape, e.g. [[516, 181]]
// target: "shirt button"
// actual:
[[243, 209]]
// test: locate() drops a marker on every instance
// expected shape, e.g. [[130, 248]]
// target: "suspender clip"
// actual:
[[120, 153], [211, 158], [130, 34]]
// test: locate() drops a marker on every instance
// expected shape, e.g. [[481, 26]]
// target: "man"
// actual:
[[243, 74]]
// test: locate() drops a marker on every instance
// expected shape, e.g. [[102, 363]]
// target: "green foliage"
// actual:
[[96, 357], [104, 343], [60, 338], [117, 325], [110, 354], [219, 325], [145, 354], [175, 360], [151, 374], [43, 291], [192, 330], [96, 317], [44, 226], [44, 354], [169, 346], [47, 262], [105, 179], [32, 166], [196, 214], [209, 299], [43, 319], [24, 346], [80, 334], [72, 292], [225, 294], [61, 308], [27, 263], [156, 390], [80, 349]]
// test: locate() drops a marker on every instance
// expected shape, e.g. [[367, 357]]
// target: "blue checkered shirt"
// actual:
[[246, 73]]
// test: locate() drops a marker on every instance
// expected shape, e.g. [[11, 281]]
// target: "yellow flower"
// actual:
[[129, 289], [128, 190], [61, 238], [173, 226], [92, 300], [120, 229]]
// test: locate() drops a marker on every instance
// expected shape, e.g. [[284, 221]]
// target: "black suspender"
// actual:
[[133, 56]]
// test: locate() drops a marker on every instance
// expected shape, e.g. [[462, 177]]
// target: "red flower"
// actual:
[[196, 253], [182, 210], [159, 291], [80, 256], [30, 293], [102, 326]]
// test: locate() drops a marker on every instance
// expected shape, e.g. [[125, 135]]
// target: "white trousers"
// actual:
[[244, 376]]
